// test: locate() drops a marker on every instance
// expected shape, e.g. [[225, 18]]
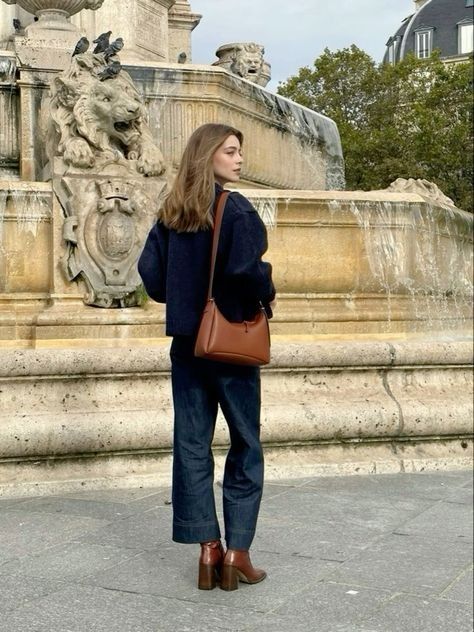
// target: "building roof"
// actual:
[[442, 18]]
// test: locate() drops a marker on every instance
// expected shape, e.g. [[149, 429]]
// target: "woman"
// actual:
[[174, 267]]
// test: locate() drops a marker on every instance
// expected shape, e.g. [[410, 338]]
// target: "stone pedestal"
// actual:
[[94, 418], [181, 23]]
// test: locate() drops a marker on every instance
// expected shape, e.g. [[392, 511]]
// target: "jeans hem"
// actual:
[[193, 535]]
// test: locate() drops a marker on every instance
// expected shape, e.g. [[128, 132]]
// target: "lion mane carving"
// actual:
[[95, 121]]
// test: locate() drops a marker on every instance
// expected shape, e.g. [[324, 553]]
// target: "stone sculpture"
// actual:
[[96, 121], [428, 190], [107, 221], [245, 60], [107, 174]]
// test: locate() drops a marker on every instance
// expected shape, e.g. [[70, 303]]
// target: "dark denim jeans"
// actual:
[[199, 386]]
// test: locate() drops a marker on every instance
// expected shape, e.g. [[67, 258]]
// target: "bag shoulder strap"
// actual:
[[215, 237]]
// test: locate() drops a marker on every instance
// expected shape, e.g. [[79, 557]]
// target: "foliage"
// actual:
[[413, 119]]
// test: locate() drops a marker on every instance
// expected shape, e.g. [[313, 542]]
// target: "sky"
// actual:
[[295, 32]]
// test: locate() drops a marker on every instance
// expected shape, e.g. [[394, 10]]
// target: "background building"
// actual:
[[446, 25]]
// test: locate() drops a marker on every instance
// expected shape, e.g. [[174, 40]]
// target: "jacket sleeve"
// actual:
[[244, 266], [152, 264]]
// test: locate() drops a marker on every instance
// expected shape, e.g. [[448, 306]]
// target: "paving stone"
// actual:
[[68, 561], [443, 520], [409, 613], [24, 533], [431, 486], [144, 531], [410, 564], [319, 540], [137, 500], [19, 591], [461, 495], [462, 589], [329, 526], [330, 546], [10, 502], [172, 572], [273, 490], [309, 505], [324, 604], [76, 507], [90, 609]]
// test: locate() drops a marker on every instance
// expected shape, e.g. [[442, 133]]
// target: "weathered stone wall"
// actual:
[[74, 417]]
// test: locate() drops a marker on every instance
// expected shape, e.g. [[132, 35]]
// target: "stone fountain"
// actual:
[[371, 354]]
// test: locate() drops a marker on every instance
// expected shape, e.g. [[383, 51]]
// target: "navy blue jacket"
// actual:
[[174, 267]]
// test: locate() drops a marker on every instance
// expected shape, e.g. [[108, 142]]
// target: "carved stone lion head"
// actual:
[[96, 115], [107, 113]]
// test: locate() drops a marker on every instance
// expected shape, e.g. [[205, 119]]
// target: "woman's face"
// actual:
[[227, 161]]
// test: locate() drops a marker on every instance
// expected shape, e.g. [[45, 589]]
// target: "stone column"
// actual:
[[181, 23]]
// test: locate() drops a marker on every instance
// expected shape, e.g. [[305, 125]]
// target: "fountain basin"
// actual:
[[345, 263]]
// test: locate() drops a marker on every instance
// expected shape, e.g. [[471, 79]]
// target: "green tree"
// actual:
[[410, 120]]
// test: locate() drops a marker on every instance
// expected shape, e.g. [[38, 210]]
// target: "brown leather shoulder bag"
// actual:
[[218, 339]]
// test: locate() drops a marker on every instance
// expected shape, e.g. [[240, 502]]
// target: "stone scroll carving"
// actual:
[[108, 175], [245, 60]]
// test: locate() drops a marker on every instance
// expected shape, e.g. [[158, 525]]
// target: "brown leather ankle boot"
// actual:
[[210, 563], [237, 566]]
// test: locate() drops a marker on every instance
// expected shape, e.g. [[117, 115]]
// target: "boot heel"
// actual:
[[230, 578], [207, 577]]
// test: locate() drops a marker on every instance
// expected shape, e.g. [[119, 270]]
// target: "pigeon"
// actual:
[[182, 57], [110, 71], [102, 42], [81, 46], [17, 25], [113, 49]]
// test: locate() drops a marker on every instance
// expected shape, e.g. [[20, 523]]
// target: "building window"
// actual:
[[392, 51], [423, 44], [469, 3], [465, 38]]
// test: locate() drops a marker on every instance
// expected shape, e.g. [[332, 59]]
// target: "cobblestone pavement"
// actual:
[[378, 553]]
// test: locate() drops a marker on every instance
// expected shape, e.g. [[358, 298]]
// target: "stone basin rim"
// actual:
[[280, 194], [310, 354]]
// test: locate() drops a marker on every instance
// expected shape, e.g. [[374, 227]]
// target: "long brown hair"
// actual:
[[188, 205]]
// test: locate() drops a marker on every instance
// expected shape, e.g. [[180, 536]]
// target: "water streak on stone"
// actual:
[[417, 250]]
